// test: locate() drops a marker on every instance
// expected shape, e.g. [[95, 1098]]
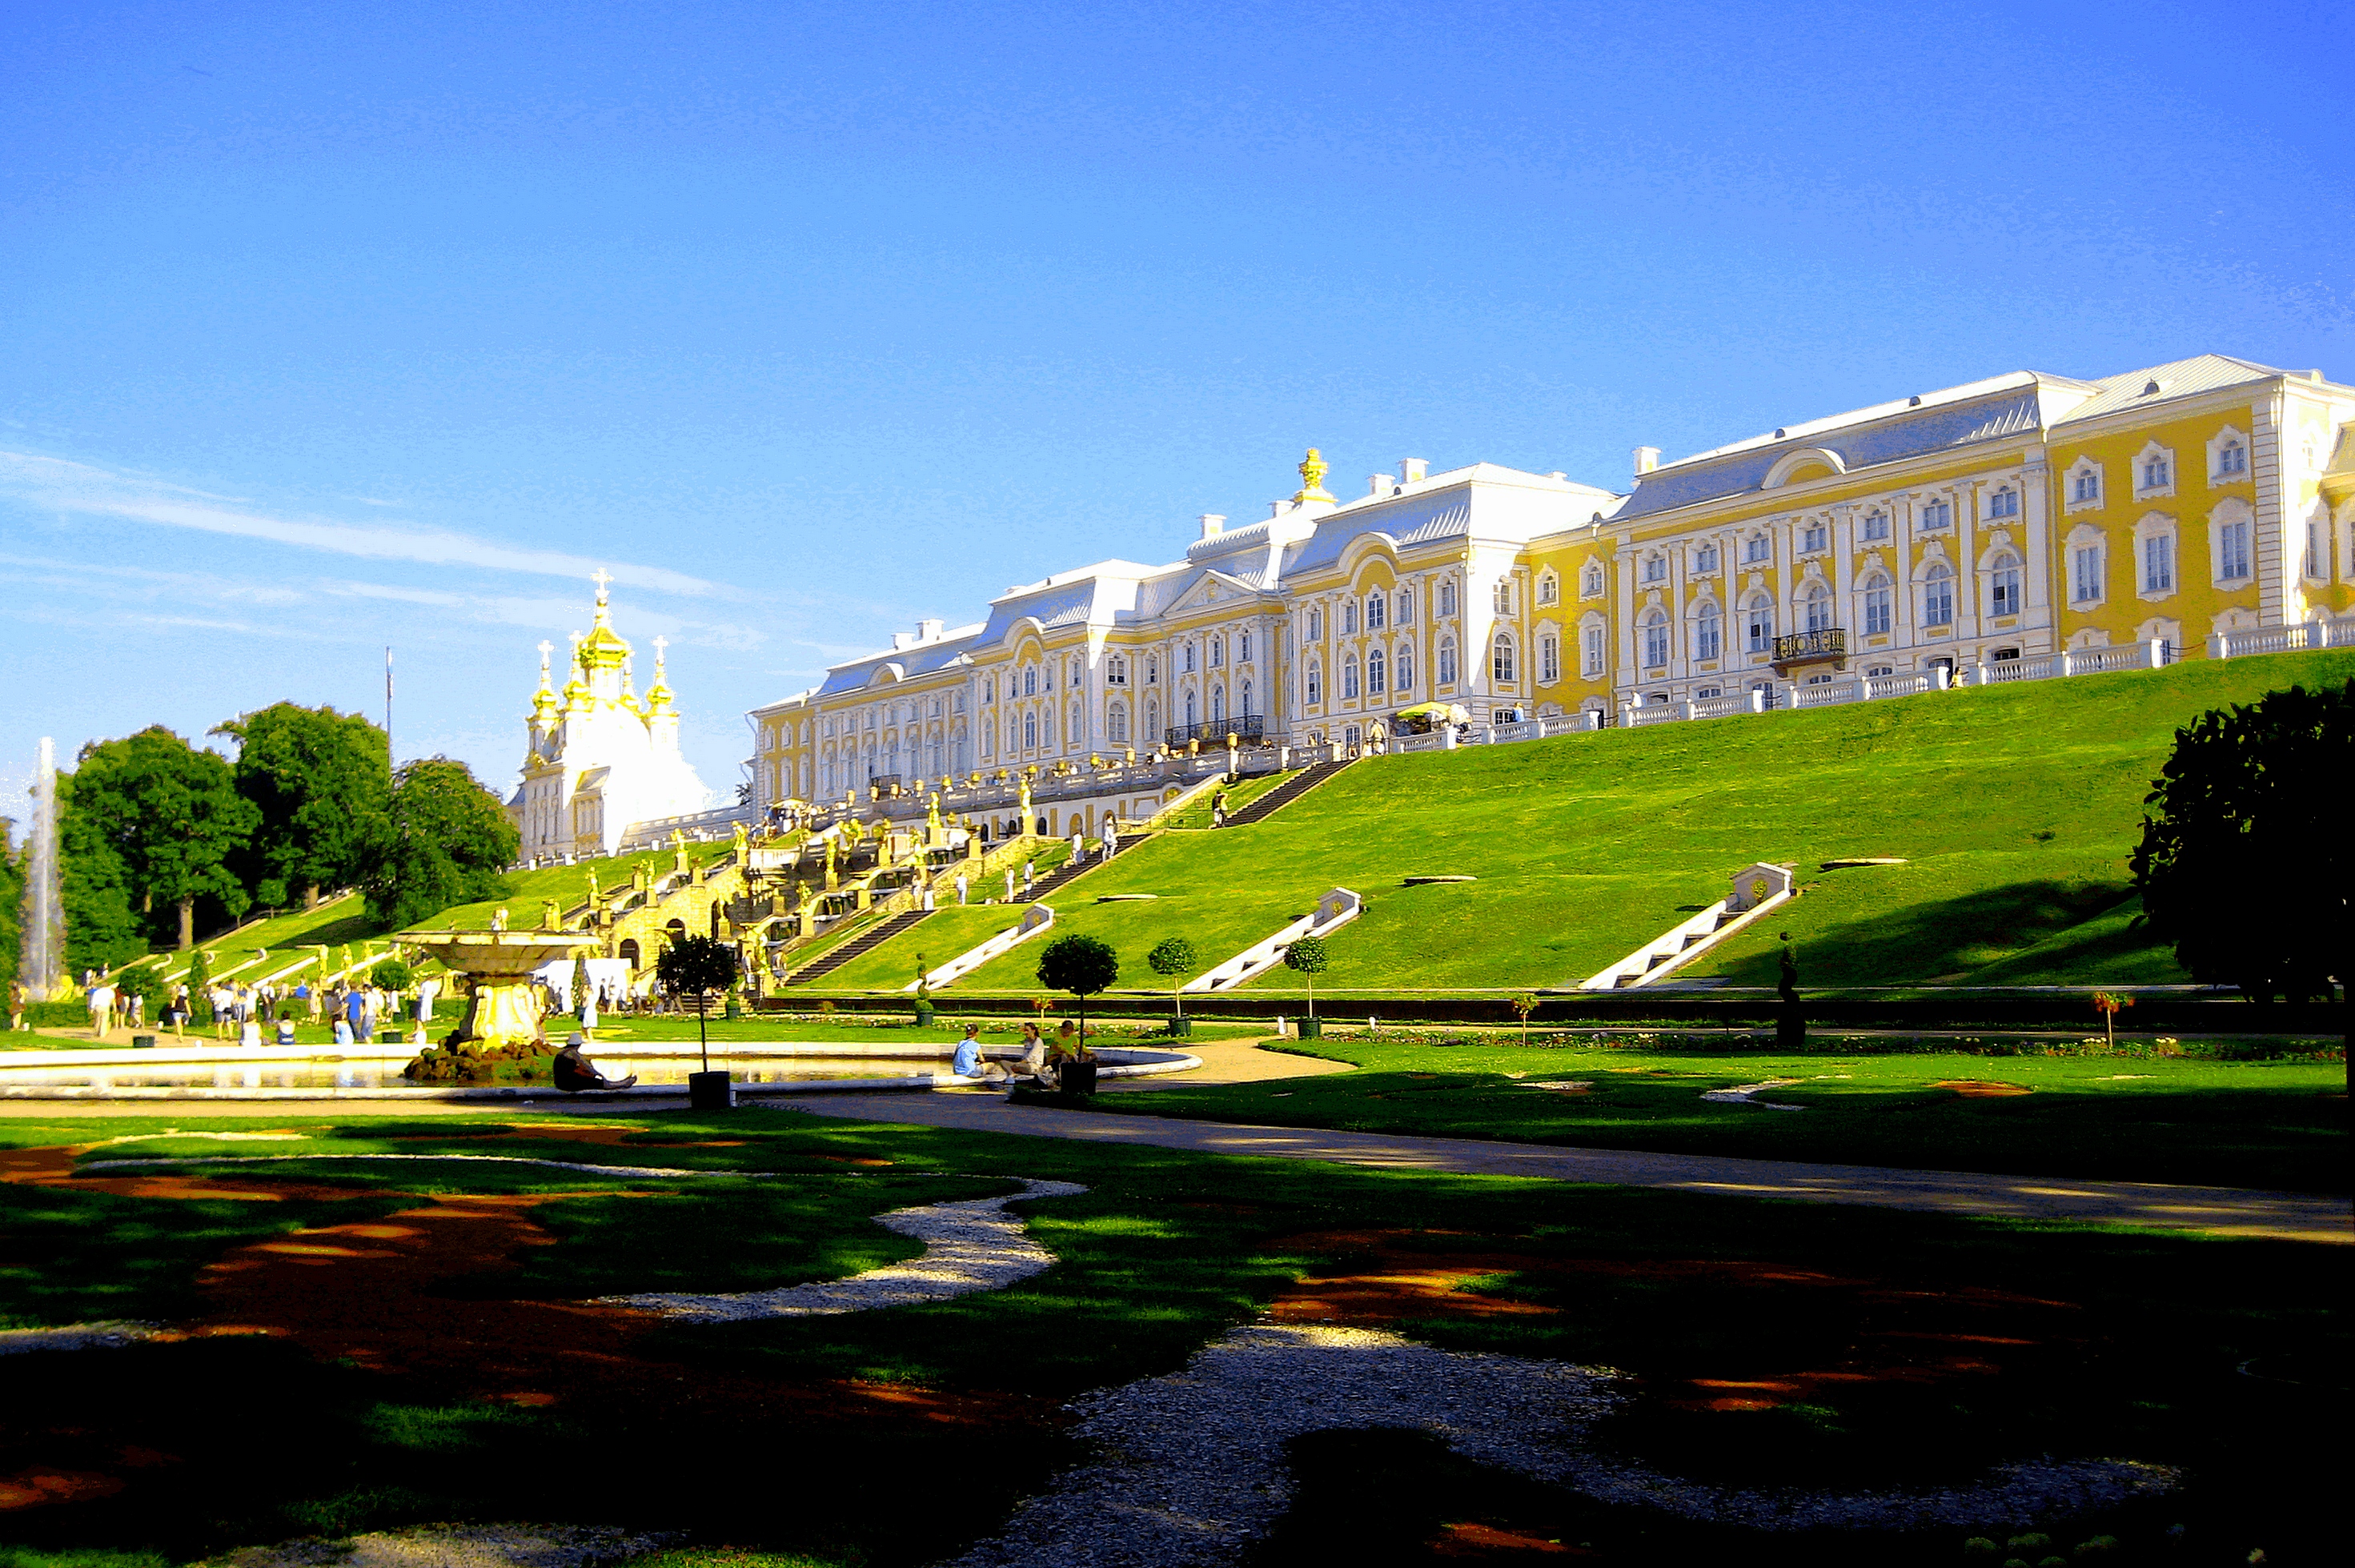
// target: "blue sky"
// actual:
[[324, 327]]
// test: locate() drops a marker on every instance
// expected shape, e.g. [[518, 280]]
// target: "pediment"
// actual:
[[1211, 590]]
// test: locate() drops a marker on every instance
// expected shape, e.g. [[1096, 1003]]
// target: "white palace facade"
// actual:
[[2004, 521]]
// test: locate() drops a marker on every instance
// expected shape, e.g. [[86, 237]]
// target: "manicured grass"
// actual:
[[1197, 812], [2015, 806], [2278, 1124], [767, 1437], [939, 937]]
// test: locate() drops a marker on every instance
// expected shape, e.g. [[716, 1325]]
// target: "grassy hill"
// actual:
[[2015, 808]]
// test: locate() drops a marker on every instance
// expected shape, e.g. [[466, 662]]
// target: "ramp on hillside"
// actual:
[[1757, 888], [1333, 911]]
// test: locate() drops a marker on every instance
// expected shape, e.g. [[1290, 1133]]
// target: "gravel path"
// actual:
[[971, 1245], [2217, 1211], [1194, 1464]]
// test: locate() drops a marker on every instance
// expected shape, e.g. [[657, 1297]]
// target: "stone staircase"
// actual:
[[865, 942], [1071, 871], [1757, 889], [1284, 794]]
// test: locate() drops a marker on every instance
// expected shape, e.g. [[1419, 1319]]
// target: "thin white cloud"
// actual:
[[69, 486]]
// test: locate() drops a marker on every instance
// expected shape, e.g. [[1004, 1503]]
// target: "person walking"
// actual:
[[1029, 877], [1009, 884], [961, 886], [17, 996]]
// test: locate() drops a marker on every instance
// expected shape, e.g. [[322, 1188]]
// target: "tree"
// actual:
[[701, 967], [1173, 957], [393, 975], [200, 988], [1307, 958], [2243, 864], [1083, 965], [322, 782], [1524, 1004], [102, 924], [173, 815], [443, 840]]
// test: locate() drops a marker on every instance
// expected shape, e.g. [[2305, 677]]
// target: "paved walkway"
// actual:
[[2219, 1211]]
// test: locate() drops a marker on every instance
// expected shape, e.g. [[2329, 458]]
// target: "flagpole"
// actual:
[[388, 707]]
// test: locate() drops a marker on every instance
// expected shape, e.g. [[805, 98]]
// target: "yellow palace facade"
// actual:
[[2001, 520]]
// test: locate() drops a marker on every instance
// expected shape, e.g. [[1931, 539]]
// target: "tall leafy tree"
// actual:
[[2244, 864], [322, 781], [175, 816], [103, 923], [444, 839]]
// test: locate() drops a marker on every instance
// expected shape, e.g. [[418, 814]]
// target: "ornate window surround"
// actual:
[[2141, 466]]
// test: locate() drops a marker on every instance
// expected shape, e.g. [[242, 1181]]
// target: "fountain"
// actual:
[[504, 1012], [41, 959]]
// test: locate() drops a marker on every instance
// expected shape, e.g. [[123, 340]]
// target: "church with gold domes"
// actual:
[[600, 757]]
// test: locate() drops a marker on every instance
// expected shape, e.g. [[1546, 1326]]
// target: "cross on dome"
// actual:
[[600, 576]]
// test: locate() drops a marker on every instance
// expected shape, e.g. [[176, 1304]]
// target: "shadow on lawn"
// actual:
[[1942, 939]]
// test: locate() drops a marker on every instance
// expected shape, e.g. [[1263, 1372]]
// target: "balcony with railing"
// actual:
[[1826, 643], [1250, 729]]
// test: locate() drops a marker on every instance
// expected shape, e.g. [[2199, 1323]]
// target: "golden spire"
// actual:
[[1313, 469], [600, 576]]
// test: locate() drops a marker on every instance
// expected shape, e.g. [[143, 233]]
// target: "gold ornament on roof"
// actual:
[[1313, 469]]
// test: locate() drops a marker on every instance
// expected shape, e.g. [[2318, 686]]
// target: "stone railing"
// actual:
[[2309, 635]]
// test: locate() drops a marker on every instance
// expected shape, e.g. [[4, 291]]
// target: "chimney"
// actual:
[[1646, 459], [1414, 468], [1213, 524], [927, 631], [900, 640], [1380, 484]]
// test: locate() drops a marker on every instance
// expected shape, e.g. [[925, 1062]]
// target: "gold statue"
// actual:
[[1313, 469]]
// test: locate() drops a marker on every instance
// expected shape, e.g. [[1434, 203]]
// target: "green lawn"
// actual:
[[2015, 808], [2273, 1124], [1995, 1341], [1196, 814]]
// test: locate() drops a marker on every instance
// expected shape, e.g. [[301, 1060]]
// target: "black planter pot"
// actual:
[[1079, 1078], [1181, 1027], [710, 1091], [1312, 1028]]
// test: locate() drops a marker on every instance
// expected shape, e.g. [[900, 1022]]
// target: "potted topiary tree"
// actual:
[[1306, 958], [1083, 965], [701, 967], [200, 989], [923, 996], [1173, 957]]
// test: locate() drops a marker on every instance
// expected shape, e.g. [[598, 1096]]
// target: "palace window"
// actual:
[[1405, 616], [1448, 661], [1152, 672], [1116, 724], [1501, 661], [1758, 623], [1591, 583], [1703, 693], [2157, 563], [1813, 537], [1316, 685], [1502, 598], [1548, 661], [1115, 671], [1708, 631], [1705, 559], [1349, 678], [1403, 669], [1217, 653], [2003, 503], [1376, 670], [2232, 459], [1186, 655], [1816, 599], [1593, 662], [1246, 709], [1348, 617], [1936, 514], [1938, 596], [1548, 591], [1447, 596], [1315, 625], [1193, 712], [1876, 525], [1377, 609], [1757, 549], [1218, 704], [2085, 573], [2318, 554], [2154, 473], [1243, 653], [2085, 484], [1877, 604], [1656, 569], [1029, 680], [2003, 585], [1029, 732], [1656, 639]]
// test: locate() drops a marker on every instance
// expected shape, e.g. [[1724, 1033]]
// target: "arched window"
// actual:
[[1877, 604], [1046, 728], [1218, 705], [1377, 608], [1501, 659], [1938, 596], [1817, 602], [1152, 720], [1193, 715], [1029, 680], [1447, 597], [1591, 583], [2003, 585], [1376, 673], [1349, 677], [1316, 684], [1403, 669], [1448, 661], [1654, 626], [1029, 732], [1758, 623], [1315, 625], [1708, 631], [1245, 707], [1405, 616]]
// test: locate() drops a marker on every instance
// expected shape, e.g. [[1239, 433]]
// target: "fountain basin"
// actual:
[[503, 1008], [297, 1072]]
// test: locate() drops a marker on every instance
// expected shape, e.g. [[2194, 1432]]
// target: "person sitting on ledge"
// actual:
[[575, 1072]]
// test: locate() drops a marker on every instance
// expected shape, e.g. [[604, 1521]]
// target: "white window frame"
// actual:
[[2157, 529], [2141, 467], [2082, 540], [1592, 580], [1937, 591], [1935, 515], [1815, 538], [2223, 439], [1652, 637], [1595, 639], [1548, 661], [1875, 593], [2228, 515], [2084, 468], [1708, 631], [1378, 610], [1448, 671], [1758, 624], [1549, 589], [1503, 662], [1447, 596], [2005, 581], [1705, 558], [1402, 668], [2002, 502], [1874, 525]]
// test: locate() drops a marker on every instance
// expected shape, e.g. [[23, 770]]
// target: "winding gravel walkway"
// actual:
[[1195, 1469], [2217, 1211], [969, 1245]]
